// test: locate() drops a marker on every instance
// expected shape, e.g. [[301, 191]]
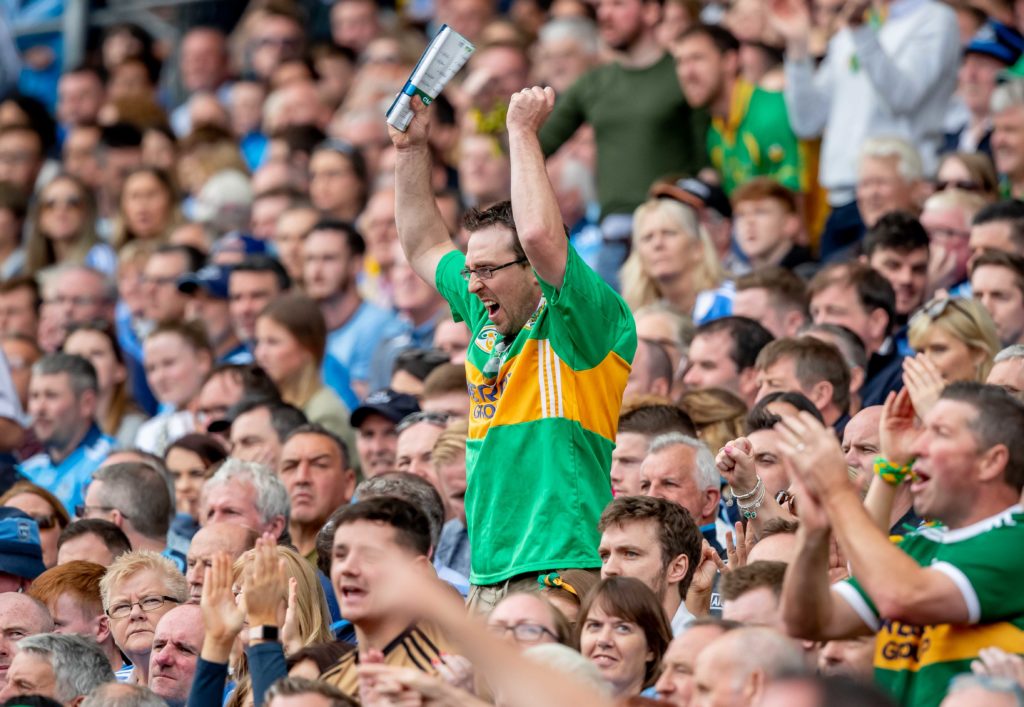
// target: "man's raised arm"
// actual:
[[421, 230], [538, 220]]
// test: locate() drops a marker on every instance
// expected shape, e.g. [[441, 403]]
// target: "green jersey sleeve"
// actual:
[[448, 280], [590, 315], [781, 150], [986, 571], [850, 591]]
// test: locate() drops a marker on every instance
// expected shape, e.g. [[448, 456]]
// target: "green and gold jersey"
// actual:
[[916, 663], [543, 414], [756, 141]]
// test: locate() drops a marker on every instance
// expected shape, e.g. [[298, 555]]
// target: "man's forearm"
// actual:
[[538, 219], [806, 596], [891, 578], [419, 222]]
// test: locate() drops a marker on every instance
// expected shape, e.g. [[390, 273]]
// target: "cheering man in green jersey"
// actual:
[[945, 591], [550, 354]]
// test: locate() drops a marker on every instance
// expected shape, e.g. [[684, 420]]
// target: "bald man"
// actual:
[[735, 668], [20, 616], [217, 537]]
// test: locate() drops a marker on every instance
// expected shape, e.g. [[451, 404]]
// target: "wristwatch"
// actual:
[[263, 633]]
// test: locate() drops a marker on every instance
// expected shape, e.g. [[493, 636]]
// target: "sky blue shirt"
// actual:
[[67, 480], [352, 344]]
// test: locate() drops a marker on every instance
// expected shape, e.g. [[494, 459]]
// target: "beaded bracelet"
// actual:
[[749, 510], [892, 474]]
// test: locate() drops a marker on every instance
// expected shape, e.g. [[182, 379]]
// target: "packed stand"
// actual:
[[674, 354]]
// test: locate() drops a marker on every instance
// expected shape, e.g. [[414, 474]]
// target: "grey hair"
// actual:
[[1010, 353], [884, 147], [759, 648], [296, 687], [78, 663], [140, 493], [569, 662], [79, 370], [1007, 95], [706, 472], [118, 694], [52, 275], [579, 29], [988, 683], [410, 488], [271, 495]]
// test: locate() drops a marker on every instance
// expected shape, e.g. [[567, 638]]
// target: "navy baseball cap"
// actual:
[[242, 243], [21, 552], [211, 278], [695, 193], [998, 41], [386, 403]]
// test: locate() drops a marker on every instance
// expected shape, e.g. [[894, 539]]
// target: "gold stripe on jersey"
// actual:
[[417, 647]]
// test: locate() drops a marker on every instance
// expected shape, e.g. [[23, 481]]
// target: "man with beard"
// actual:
[[656, 541], [62, 403], [551, 353], [332, 257], [708, 67], [643, 126]]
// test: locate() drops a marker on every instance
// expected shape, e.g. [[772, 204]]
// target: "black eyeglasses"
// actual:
[[486, 272], [523, 633], [147, 604]]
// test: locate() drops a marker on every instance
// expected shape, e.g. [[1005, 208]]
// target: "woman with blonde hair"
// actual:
[[956, 340], [291, 340], [673, 259], [152, 583], [63, 229], [718, 415]]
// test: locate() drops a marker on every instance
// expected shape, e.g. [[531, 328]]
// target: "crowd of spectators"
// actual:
[[674, 355]]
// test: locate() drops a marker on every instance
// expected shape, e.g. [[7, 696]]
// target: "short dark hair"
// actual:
[[194, 258], [498, 215], [140, 493], [898, 231], [119, 136], [785, 289], [412, 489], [814, 361], [353, 239], [296, 687], [999, 420], [748, 338], [723, 39], [254, 380], [654, 420], [779, 526], [112, 537], [763, 573], [873, 290], [1000, 259], [1009, 210], [23, 282], [312, 428], [850, 345], [678, 534], [265, 263], [192, 332], [284, 418], [761, 418], [412, 529]]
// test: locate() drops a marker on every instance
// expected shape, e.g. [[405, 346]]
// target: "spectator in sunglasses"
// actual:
[[45, 509]]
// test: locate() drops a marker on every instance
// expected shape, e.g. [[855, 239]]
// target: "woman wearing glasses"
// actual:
[[527, 619], [139, 588], [46, 510], [622, 629], [63, 230]]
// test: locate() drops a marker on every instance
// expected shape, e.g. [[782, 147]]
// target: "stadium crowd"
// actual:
[[673, 355]]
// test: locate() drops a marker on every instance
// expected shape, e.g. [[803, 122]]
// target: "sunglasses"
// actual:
[[938, 306]]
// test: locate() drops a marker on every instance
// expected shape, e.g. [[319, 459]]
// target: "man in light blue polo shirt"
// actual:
[[62, 402]]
